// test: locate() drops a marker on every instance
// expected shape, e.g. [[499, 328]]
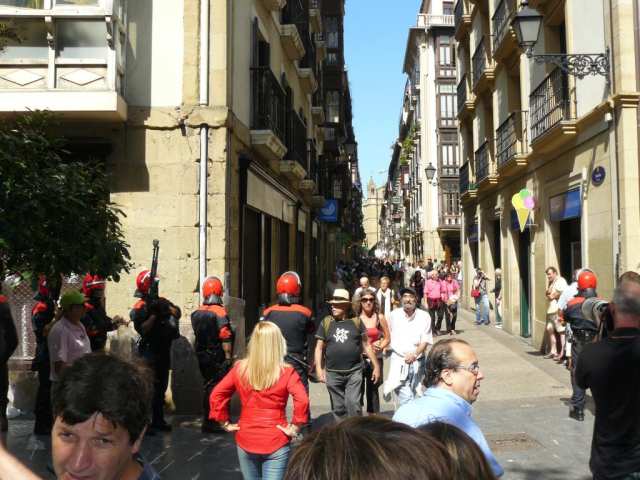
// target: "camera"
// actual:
[[596, 310]]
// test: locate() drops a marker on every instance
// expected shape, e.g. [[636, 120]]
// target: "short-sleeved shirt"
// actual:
[[343, 344], [409, 332], [559, 285], [67, 342]]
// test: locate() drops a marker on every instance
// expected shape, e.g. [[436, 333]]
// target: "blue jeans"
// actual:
[[408, 390], [256, 466], [482, 309]]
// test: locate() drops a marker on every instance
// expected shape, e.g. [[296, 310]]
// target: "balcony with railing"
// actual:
[[310, 183], [295, 17], [464, 98], [268, 118], [467, 186], [485, 168], [462, 19], [482, 67], [295, 162], [430, 21], [551, 115], [315, 15], [505, 40], [307, 67], [512, 144], [69, 58]]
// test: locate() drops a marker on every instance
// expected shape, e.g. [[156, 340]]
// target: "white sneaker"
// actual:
[[499, 326]]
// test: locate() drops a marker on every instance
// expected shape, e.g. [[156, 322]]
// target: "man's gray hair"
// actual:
[[626, 303]]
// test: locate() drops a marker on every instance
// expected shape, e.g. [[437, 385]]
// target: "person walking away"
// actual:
[[264, 382], [42, 317], [433, 299], [67, 339], [481, 297], [611, 369], [341, 342], [453, 384], [295, 322], [156, 320], [556, 284], [417, 284], [213, 343], [410, 329], [95, 319], [450, 297], [386, 296], [583, 331], [8, 345], [497, 296], [333, 283], [378, 335]]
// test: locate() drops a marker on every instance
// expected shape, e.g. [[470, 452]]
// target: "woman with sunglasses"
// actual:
[[379, 338]]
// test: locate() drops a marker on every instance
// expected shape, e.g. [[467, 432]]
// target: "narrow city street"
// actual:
[[522, 411]]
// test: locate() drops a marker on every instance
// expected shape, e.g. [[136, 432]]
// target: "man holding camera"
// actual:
[[611, 369]]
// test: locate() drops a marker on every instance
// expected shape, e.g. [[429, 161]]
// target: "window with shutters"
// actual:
[[449, 154], [446, 56], [446, 98]]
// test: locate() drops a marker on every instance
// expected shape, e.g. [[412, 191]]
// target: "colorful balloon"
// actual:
[[524, 193], [529, 202]]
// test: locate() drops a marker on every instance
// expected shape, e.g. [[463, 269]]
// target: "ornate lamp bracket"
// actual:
[[580, 64]]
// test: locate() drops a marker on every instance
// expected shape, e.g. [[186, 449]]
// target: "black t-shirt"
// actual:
[[343, 344], [611, 369], [295, 324]]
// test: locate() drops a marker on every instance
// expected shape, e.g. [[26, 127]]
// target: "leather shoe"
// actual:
[[577, 414]]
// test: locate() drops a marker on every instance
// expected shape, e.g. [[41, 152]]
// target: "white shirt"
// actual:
[[409, 332], [67, 342], [559, 285]]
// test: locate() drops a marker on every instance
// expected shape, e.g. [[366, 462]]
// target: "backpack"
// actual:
[[328, 320]]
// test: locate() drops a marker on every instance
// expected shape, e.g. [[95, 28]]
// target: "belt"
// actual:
[[584, 335]]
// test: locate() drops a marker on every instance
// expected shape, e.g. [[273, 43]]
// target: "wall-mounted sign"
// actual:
[[329, 213], [515, 222], [565, 206], [598, 175]]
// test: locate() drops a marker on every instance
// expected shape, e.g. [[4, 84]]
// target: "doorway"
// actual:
[[524, 252], [570, 247]]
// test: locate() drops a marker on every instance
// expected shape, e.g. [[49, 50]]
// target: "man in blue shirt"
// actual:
[[453, 384]]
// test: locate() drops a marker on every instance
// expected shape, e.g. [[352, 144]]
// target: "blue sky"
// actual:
[[375, 40]]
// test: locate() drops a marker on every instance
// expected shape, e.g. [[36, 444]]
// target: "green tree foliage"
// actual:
[[8, 33], [408, 144], [55, 212]]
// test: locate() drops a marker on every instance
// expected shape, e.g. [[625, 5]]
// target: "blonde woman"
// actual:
[[264, 382]]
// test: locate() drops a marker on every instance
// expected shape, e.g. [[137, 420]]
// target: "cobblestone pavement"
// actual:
[[522, 410]]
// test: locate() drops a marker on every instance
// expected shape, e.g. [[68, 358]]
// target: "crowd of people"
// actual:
[[377, 313]]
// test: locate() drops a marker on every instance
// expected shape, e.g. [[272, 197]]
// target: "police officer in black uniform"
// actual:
[[294, 320], [213, 345], [156, 320], [42, 315], [584, 332], [8, 345], [95, 318]]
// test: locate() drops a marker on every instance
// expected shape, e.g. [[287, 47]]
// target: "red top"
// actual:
[[261, 410]]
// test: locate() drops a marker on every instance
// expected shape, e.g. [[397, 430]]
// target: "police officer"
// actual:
[[156, 320], [42, 316], [214, 341], [95, 318], [583, 331], [8, 344], [294, 321]]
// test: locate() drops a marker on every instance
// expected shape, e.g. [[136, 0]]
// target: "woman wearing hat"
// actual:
[[341, 342]]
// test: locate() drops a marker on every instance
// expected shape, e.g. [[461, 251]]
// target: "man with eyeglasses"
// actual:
[[453, 383]]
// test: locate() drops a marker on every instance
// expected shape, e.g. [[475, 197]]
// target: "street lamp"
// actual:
[[527, 23], [430, 171]]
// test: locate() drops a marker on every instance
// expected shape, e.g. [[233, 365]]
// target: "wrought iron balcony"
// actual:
[[462, 93], [312, 161], [296, 140], [465, 179], [482, 63], [501, 20], [268, 102], [549, 103], [511, 138], [481, 158], [462, 19], [70, 58]]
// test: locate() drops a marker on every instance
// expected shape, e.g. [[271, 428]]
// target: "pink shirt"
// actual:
[[449, 289], [432, 289], [67, 342]]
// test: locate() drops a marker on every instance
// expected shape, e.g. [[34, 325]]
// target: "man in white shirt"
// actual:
[[410, 330]]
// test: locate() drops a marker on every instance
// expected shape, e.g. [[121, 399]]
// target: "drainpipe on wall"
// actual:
[[204, 138]]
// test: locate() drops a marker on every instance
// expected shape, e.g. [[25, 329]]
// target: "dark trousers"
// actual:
[[436, 313], [299, 365], [578, 396], [369, 390], [211, 376], [344, 390], [44, 416], [160, 384], [450, 316], [4, 388]]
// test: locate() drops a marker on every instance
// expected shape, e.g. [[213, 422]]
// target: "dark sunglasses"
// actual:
[[367, 299]]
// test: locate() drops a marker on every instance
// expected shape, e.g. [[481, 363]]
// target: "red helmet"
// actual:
[[92, 283], [212, 290], [43, 288], [289, 283], [143, 282], [586, 280]]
